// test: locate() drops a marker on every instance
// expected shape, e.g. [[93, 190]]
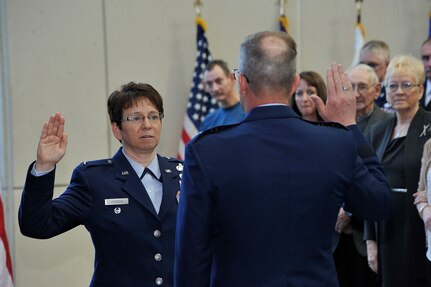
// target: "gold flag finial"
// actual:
[[198, 4]]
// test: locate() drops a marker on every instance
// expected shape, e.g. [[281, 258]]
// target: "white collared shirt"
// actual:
[[152, 185]]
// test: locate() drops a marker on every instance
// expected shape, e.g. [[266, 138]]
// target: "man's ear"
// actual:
[[378, 88], [295, 85], [242, 83]]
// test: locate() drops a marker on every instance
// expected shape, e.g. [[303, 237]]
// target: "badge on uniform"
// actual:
[[116, 201], [178, 196], [180, 167]]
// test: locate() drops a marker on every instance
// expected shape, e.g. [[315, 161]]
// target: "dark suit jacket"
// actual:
[[379, 136], [376, 116], [422, 100], [259, 200], [126, 237], [381, 100]]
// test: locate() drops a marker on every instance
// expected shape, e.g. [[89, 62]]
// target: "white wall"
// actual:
[[67, 56]]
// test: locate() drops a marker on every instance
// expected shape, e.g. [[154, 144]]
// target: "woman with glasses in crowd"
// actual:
[[396, 247], [311, 83]]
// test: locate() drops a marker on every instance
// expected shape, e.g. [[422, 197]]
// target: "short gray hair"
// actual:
[[378, 47], [267, 69], [373, 79]]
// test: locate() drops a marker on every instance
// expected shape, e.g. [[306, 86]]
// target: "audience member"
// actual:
[[351, 253], [425, 101], [376, 55], [128, 203], [220, 84], [366, 87], [310, 83], [398, 253], [261, 211]]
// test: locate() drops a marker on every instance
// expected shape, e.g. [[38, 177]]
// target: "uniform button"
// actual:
[[158, 257], [157, 233], [159, 281]]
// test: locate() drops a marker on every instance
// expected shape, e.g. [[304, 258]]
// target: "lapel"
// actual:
[[419, 132], [171, 176], [371, 120], [131, 182], [385, 138]]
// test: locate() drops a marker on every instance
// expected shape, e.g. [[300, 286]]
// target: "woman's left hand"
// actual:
[[420, 197]]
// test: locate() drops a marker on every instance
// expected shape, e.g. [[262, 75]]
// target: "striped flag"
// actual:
[[6, 276], [284, 23], [200, 102], [359, 33], [359, 42]]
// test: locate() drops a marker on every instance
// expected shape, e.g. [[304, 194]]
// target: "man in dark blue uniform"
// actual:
[[128, 203], [261, 210]]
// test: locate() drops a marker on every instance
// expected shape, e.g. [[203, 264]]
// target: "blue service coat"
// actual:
[[134, 246], [259, 200]]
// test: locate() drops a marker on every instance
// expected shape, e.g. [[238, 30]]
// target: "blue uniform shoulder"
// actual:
[[99, 162], [213, 131], [327, 124], [172, 160]]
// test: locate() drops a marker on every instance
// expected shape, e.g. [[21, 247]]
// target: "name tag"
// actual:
[[116, 201], [403, 190]]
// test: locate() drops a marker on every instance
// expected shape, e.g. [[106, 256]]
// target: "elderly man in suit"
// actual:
[[351, 253], [261, 211], [128, 203], [375, 53]]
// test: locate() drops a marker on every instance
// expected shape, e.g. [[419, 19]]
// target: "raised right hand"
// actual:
[[340, 105], [52, 143]]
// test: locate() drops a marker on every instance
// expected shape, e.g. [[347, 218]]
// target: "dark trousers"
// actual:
[[352, 268]]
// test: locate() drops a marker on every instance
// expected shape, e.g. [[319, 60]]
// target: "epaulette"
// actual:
[[173, 159], [214, 130], [97, 162]]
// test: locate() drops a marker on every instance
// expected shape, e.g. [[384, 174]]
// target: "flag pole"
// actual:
[[284, 24], [198, 4], [359, 10], [283, 7]]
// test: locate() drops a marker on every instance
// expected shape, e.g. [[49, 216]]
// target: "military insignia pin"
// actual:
[[424, 131], [180, 167]]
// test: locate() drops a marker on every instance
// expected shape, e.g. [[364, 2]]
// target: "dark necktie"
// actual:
[[147, 170]]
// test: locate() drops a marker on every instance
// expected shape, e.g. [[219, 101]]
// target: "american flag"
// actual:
[[200, 103]]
